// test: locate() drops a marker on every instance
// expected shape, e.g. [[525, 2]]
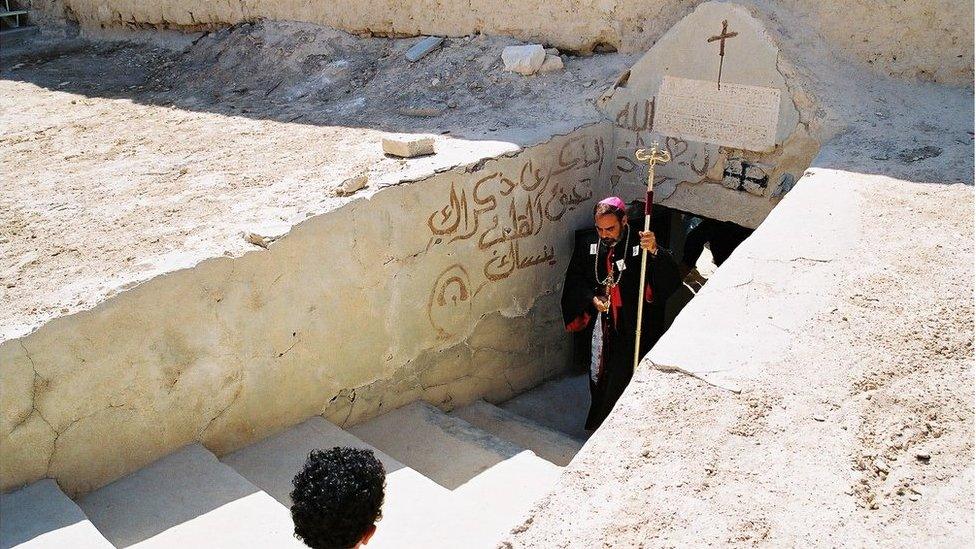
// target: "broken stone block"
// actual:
[[408, 146], [524, 60], [353, 184], [551, 64]]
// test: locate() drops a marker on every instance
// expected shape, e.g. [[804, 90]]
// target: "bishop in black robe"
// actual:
[[610, 270]]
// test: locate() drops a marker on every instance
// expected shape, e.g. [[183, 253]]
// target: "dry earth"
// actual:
[[122, 161]]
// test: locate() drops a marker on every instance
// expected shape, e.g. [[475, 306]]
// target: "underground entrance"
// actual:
[[395, 315]]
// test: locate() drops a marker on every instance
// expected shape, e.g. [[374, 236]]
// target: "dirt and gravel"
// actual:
[[125, 160]]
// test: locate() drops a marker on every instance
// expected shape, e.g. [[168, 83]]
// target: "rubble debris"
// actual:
[[524, 60], [353, 184], [408, 146], [423, 47], [257, 240], [551, 64]]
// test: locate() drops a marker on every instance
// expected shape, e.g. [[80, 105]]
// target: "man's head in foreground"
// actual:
[[610, 218], [337, 498]]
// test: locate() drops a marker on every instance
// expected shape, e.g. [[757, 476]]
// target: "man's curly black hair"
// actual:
[[337, 497]]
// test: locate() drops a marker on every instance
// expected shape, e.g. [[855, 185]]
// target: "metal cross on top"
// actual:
[[725, 34]]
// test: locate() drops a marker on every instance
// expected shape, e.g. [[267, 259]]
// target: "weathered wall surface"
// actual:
[[929, 39], [716, 181], [445, 290]]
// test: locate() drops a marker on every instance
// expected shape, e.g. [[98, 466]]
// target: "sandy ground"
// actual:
[[123, 161]]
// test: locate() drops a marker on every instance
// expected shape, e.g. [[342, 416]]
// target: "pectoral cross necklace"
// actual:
[[610, 281]]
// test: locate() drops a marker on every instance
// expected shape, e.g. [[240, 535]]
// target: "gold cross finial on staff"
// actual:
[[652, 156]]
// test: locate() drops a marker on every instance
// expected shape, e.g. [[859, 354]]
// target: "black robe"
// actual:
[[615, 366]]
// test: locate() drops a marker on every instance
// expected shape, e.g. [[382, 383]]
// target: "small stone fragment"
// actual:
[[257, 240], [423, 112], [353, 184], [817, 417], [923, 456], [423, 47], [880, 466], [524, 60], [551, 64], [408, 146]]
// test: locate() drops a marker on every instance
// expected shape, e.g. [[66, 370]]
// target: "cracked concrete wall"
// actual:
[[695, 179], [445, 289], [927, 39]]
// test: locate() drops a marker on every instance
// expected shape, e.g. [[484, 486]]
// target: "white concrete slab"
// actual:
[[751, 308], [189, 499], [560, 404], [40, 515], [492, 503], [412, 504], [547, 443]]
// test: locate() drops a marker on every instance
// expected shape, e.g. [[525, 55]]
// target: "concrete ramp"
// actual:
[[189, 499], [412, 505], [40, 515], [547, 443]]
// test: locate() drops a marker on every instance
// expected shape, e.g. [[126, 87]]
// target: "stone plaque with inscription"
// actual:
[[738, 116]]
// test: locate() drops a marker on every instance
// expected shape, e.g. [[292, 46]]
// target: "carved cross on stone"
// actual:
[[741, 175], [721, 38]]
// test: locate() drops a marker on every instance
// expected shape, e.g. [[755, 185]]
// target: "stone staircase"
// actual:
[[462, 479]]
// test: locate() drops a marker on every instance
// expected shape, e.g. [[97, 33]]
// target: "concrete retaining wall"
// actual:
[[927, 39], [445, 290]]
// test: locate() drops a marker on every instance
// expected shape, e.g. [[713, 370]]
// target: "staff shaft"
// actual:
[[648, 204]]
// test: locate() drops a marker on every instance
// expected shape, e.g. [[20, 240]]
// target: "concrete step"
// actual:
[[412, 502], [189, 499], [494, 481], [560, 404], [40, 515], [547, 443]]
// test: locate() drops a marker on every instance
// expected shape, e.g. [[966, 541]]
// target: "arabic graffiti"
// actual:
[[634, 127], [450, 299], [499, 212]]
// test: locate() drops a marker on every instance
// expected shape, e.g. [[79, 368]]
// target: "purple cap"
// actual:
[[614, 201]]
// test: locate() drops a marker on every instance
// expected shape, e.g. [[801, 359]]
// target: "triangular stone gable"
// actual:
[[700, 178]]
